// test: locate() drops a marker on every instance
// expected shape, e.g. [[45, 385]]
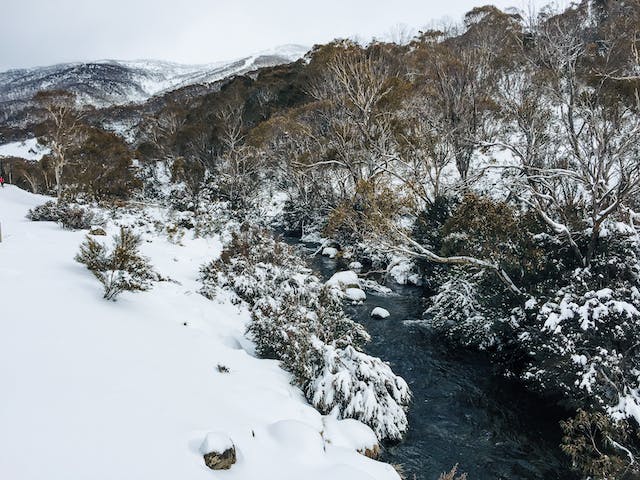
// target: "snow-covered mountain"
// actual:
[[111, 82]]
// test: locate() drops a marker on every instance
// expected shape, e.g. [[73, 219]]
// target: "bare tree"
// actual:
[[62, 130]]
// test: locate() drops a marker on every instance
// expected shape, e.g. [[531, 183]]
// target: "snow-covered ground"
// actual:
[[92, 389], [29, 150]]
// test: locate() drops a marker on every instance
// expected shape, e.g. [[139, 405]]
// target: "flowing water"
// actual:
[[462, 413]]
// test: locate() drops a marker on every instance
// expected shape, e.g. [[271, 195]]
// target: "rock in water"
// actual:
[[380, 312]]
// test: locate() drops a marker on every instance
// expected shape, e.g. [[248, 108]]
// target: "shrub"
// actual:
[[47, 212], [583, 337], [122, 268], [72, 217], [453, 474], [76, 218], [359, 386], [456, 312], [595, 445]]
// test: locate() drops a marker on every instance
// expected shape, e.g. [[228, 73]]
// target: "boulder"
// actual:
[[218, 451]]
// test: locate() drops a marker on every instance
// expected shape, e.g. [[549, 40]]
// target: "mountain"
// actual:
[[112, 82]]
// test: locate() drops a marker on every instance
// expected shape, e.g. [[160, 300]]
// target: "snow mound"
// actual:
[[349, 433], [306, 440], [216, 442]]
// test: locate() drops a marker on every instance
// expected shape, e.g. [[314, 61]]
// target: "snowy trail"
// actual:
[[92, 389]]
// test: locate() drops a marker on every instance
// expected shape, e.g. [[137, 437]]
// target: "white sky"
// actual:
[[44, 32]]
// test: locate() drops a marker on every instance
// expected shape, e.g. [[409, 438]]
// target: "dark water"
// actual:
[[461, 412]]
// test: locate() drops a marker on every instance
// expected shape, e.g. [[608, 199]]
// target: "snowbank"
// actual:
[[129, 382]]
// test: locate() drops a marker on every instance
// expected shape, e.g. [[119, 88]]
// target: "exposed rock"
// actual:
[[221, 461], [219, 451]]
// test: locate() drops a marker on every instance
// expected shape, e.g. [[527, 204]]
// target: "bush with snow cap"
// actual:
[[356, 385], [456, 312]]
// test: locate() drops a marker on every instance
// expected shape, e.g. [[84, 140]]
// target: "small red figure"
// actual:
[[2, 182]]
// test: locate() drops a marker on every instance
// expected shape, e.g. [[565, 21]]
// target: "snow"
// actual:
[[330, 252], [404, 272], [355, 266], [380, 312], [355, 294], [349, 433], [344, 279], [216, 442], [84, 379], [28, 149]]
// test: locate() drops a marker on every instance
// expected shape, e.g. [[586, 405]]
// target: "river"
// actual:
[[462, 412]]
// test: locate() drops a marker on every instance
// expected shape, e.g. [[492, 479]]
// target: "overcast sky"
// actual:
[[43, 32]]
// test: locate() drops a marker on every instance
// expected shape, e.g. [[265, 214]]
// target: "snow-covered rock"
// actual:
[[215, 442], [343, 280], [330, 252], [218, 450], [405, 272], [380, 312], [355, 266], [355, 294]]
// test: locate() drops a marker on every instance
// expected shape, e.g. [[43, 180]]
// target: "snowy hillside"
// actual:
[[110, 82], [130, 389], [29, 149]]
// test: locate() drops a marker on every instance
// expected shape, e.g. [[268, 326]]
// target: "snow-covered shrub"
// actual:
[[359, 386], [456, 312], [282, 328], [584, 336], [72, 217], [122, 268], [587, 345], [47, 212], [300, 321], [255, 265]]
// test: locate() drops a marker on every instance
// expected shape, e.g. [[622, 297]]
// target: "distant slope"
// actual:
[[111, 82]]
